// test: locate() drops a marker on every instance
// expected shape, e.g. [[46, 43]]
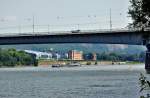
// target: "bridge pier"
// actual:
[[147, 58]]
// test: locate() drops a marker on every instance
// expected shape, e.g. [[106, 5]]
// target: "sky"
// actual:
[[49, 15]]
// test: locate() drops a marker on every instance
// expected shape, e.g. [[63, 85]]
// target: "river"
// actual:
[[116, 81]]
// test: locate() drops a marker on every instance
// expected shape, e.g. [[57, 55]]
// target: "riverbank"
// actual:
[[47, 63], [139, 67]]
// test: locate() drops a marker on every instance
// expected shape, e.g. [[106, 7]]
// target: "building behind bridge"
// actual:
[[39, 55], [75, 55]]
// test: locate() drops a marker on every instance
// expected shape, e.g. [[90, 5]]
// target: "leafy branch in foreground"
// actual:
[[144, 85], [139, 11]]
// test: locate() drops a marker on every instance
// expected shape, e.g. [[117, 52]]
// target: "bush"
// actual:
[[88, 63], [11, 58], [96, 63], [144, 85]]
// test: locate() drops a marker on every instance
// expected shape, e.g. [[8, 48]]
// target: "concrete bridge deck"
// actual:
[[92, 36], [105, 37]]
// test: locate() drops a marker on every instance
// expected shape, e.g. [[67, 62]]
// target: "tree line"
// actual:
[[113, 56], [12, 57]]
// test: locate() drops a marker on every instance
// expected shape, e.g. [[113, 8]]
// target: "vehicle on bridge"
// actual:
[[75, 31]]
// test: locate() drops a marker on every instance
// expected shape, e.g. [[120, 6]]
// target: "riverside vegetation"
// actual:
[[12, 58], [145, 86]]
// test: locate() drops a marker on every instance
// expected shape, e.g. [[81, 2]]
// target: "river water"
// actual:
[[74, 82]]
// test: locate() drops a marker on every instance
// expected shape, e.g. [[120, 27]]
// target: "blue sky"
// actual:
[[63, 14]]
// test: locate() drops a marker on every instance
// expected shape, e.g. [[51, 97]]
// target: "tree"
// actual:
[[139, 11], [12, 57], [144, 85]]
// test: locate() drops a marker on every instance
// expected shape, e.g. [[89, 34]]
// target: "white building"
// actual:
[[40, 55]]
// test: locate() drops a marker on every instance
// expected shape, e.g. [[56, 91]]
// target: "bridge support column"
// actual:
[[147, 58]]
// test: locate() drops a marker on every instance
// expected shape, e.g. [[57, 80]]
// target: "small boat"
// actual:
[[74, 64], [55, 65]]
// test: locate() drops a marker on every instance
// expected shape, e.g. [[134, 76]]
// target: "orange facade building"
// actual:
[[75, 55]]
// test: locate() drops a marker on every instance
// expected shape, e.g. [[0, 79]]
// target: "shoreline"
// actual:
[[138, 67], [46, 63]]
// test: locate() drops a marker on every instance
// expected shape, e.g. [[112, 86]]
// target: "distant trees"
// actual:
[[88, 56], [11, 58], [113, 56], [140, 13], [120, 57]]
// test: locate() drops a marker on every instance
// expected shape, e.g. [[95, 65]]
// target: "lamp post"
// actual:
[[33, 25], [77, 26], [48, 28], [19, 28], [110, 21]]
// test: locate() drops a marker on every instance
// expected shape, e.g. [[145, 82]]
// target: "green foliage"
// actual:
[[36, 63], [144, 85], [88, 63], [96, 63], [11, 58], [120, 57], [140, 13]]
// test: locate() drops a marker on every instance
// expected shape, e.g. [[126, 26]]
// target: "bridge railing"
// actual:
[[53, 29]]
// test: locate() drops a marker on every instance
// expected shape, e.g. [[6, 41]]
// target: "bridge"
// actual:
[[90, 36], [131, 37]]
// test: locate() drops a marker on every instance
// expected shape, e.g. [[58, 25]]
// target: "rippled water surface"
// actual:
[[57, 83]]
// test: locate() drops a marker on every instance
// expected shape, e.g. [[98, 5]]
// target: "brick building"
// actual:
[[75, 55]]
